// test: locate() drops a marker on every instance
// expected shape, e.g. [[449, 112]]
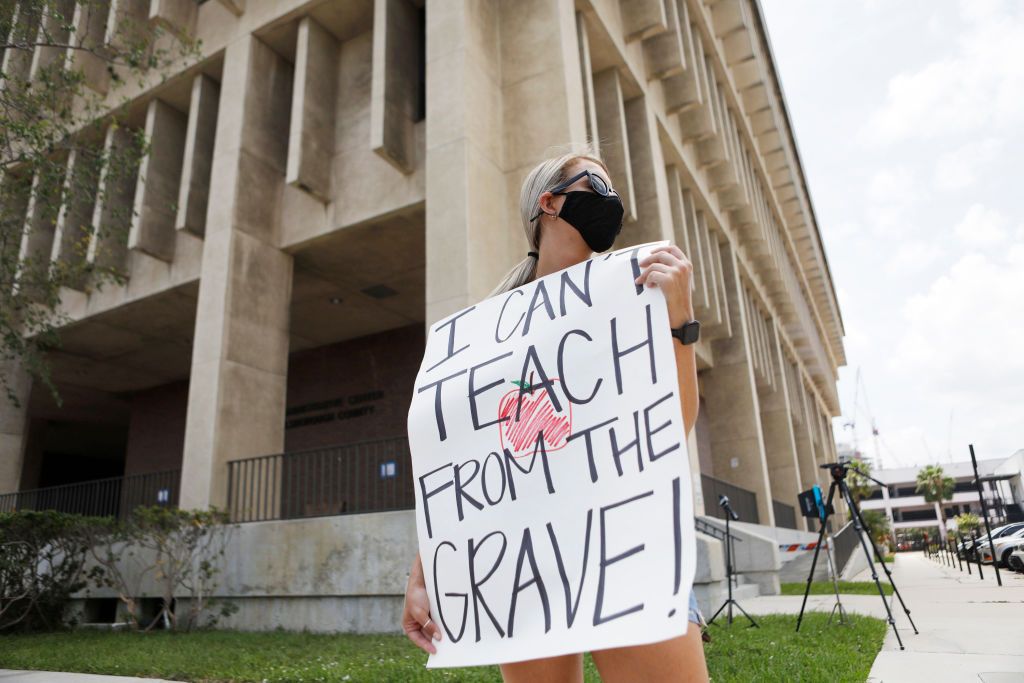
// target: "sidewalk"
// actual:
[[20, 676], [970, 630]]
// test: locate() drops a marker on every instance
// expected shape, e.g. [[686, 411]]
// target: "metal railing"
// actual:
[[370, 476], [846, 541], [110, 497], [705, 527], [785, 515], [742, 501]]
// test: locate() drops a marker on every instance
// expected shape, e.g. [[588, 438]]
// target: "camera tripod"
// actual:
[[838, 472], [723, 502], [838, 607]]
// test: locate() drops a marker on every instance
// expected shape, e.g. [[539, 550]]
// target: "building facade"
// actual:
[[1002, 482], [331, 177]]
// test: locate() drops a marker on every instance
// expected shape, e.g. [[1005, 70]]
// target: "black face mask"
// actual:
[[597, 218]]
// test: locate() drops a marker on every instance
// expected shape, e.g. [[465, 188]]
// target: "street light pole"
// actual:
[[984, 515]]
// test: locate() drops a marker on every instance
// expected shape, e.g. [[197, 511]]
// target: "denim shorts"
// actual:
[[693, 614]]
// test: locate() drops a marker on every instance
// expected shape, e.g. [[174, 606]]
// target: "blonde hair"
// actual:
[[544, 176]]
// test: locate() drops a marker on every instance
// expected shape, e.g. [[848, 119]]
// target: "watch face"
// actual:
[[691, 332], [688, 333]]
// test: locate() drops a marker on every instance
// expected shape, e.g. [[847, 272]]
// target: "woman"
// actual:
[[564, 226]]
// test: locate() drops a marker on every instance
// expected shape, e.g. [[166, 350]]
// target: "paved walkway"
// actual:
[[970, 629], [18, 676]]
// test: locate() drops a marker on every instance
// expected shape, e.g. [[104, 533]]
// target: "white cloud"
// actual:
[[889, 198], [893, 186], [981, 227], [912, 258], [960, 351], [905, 445], [959, 169], [979, 87], [963, 335]]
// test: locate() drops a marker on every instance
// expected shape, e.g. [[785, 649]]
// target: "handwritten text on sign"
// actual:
[[553, 498]]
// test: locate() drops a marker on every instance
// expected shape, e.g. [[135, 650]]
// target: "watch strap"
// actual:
[[688, 332]]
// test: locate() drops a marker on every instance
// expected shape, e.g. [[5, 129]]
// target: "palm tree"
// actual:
[[860, 486], [937, 487]]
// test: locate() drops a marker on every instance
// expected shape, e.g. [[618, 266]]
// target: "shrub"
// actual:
[[43, 556], [42, 560]]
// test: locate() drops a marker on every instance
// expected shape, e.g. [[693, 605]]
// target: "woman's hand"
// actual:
[[416, 621], [667, 267]]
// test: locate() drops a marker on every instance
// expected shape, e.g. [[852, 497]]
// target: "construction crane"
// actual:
[[860, 394]]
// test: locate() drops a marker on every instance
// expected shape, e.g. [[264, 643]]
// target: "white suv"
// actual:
[[1003, 545], [1016, 561]]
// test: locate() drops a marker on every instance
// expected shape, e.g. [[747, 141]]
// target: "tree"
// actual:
[[879, 527], [936, 487], [966, 522], [860, 486], [64, 64]]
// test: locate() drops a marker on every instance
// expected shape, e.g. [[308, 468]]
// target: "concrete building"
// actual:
[[1002, 484], [332, 177]]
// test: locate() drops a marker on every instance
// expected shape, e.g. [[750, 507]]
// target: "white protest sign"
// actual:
[[553, 497]]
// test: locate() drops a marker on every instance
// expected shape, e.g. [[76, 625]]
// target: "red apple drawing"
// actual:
[[537, 414]]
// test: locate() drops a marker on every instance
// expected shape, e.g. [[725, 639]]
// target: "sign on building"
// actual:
[[553, 497]]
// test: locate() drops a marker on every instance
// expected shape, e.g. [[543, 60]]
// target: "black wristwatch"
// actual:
[[688, 333]]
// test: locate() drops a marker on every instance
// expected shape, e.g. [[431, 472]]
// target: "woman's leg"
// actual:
[[677, 659], [561, 669]]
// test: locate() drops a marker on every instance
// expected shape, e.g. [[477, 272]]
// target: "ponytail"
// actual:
[[544, 176]]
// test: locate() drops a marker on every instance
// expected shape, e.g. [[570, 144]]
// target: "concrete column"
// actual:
[[696, 121], [693, 451], [236, 400], [737, 442], [194, 191], [493, 112], [90, 25], [13, 424], [17, 63], [779, 438], [587, 78], [614, 136], [159, 179], [122, 18], [888, 506], [44, 206], [176, 15], [464, 175], [111, 219], [801, 427], [665, 53], [71, 238], [53, 30], [396, 52], [643, 18], [654, 215], [311, 135]]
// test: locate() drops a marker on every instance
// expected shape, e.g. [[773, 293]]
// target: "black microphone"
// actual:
[[723, 502]]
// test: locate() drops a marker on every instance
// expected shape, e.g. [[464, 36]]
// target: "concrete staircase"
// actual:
[[756, 562]]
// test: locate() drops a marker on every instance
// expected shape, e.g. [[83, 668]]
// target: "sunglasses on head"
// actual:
[[597, 184]]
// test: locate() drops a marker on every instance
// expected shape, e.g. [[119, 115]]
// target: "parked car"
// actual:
[[1016, 561], [1001, 547], [969, 552]]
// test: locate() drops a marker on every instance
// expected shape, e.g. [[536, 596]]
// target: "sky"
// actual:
[[909, 119]]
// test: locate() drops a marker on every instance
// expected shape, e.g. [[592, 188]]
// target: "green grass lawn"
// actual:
[[774, 652], [826, 588]]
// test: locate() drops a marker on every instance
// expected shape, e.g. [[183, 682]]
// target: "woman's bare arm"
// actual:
[[667, 267]]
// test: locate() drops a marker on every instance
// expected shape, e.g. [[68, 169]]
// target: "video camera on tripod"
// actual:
[[839, 470]]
